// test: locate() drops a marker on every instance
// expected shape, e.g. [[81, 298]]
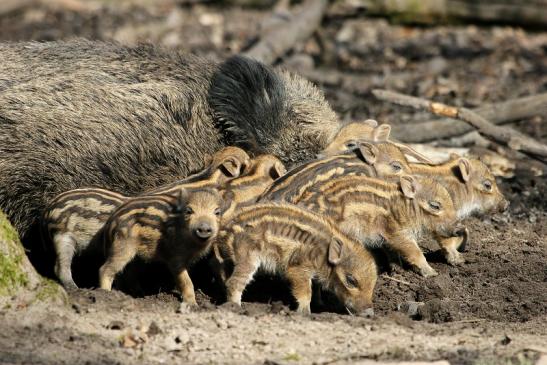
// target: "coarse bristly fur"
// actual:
[[473, 190], [85, 113], [174, 230], [371, 209], [72, 219], [300, 245], [373, 159]]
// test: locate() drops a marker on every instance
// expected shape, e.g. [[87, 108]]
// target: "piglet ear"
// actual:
[[182, 198], [381, 133], [409, 186], [371, 122], [465, 169], [231, 167], [369, 152], [336, 247], [412, 152], [277, 170]]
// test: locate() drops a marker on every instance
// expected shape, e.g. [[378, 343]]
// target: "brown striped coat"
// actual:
[[376, 211], [300, 245], [368, 159], [473, 190], [174, 230]]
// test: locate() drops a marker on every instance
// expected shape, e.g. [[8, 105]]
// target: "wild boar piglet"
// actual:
[[224, 165], [72, 219], [350, 135], [375, 159], [288, 240], [71, 222], [174, 230], [375, 211], [473, 190]]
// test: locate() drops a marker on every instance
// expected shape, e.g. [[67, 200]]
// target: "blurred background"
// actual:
[[465, 53]]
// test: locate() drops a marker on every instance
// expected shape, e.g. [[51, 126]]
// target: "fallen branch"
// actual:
[[504, 135], [276, 42], [498, 113]]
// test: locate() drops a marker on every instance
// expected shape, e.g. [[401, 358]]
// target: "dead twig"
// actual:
[[504, 135], [280, 39], [498, 113], [398, 280]]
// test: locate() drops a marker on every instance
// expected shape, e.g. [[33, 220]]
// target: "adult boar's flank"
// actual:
[[85, 113]]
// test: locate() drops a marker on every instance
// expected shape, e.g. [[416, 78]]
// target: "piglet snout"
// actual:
[[203, 230]]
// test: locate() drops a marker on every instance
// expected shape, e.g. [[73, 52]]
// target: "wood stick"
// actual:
[[498, 113], [276, 42], [398, 280], [504, 135]]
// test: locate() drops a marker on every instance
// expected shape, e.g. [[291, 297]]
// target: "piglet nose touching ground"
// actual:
[[504, 206]]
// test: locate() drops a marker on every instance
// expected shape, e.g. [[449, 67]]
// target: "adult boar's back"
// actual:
[[85, 113]]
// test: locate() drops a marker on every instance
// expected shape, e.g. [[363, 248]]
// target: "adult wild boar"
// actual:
[[83, 113]]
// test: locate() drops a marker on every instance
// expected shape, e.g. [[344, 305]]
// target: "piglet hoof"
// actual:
[[185, 307], [465, 239], [304, 310], [427, 272], [367, 313], [70, 285], [455, 258], [231, 306]]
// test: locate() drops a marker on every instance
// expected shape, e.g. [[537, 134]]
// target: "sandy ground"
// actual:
[[493, 307]]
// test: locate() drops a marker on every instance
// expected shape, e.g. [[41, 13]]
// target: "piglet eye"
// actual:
[[351, 144], [396, 166], [487, 185], [189, 210], [217, 211], [351, 281], [435, 205]]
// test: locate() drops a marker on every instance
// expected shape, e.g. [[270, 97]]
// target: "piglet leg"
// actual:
[[243, 273], [412, 254], [300, 279]]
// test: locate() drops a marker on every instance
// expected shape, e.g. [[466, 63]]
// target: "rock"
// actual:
[[20, 284], [410, 308]]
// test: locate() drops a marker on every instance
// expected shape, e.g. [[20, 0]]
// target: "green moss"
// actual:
[[50, 290], [12, 276], [7, 232]]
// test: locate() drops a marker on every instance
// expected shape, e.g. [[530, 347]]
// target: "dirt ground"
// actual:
[[491, 310]]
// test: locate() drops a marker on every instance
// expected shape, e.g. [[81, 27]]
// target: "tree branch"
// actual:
[[504, 135], [498, 113]]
